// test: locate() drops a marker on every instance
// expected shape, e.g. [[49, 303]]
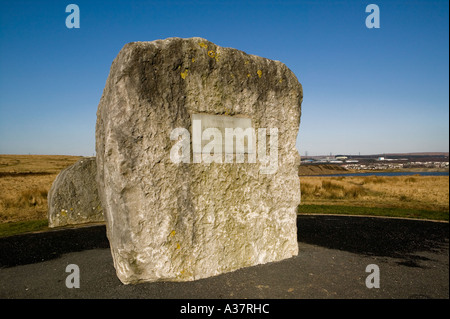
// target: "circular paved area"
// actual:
[[334, 251]]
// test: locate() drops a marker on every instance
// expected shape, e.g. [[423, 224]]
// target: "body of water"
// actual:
[[388, 174]]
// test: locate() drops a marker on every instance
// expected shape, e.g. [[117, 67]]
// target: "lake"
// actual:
[[387, 174]]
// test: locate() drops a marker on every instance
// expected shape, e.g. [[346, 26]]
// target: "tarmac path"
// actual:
[[412, 257]]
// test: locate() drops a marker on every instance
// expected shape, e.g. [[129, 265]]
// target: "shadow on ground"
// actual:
[[387, 237], [37, 247], [397, 238]]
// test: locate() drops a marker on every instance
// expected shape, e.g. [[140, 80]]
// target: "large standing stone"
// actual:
[[185, 221], [73, 198]]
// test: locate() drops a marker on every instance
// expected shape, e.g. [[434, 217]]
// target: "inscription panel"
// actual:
[[237, 128]]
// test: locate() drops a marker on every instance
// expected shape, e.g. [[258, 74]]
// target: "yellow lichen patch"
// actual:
[[217, 57], [281, 80], [203, 45], [184, 74], [173, 233], [249, 75], [178, 246], [193, 60], [259, 72], [247, 62], [211, 54], [181, 273]]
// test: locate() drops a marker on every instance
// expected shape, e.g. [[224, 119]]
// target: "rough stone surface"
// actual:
[[186, 221], [73, 197]]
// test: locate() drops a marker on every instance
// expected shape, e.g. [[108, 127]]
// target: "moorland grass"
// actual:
[[373, 211], [400, 196], [26, 179], [15, 228]]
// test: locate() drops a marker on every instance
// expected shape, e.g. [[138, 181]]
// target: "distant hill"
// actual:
[[322, 169]]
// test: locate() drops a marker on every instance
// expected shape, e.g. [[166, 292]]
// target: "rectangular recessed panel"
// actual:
[[227, 133]]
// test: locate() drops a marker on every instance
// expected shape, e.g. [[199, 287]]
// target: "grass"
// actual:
[[373, 211], [24, 197], [27, 198], [35, 164], [26, 179], [24, 183], [399, 196], [14, 228]]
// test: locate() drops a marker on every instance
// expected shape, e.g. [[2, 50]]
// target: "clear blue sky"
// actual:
[[365, 90]]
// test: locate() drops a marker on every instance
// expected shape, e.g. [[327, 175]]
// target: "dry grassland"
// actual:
[[414, 192], [24, 184], [26, 179]]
